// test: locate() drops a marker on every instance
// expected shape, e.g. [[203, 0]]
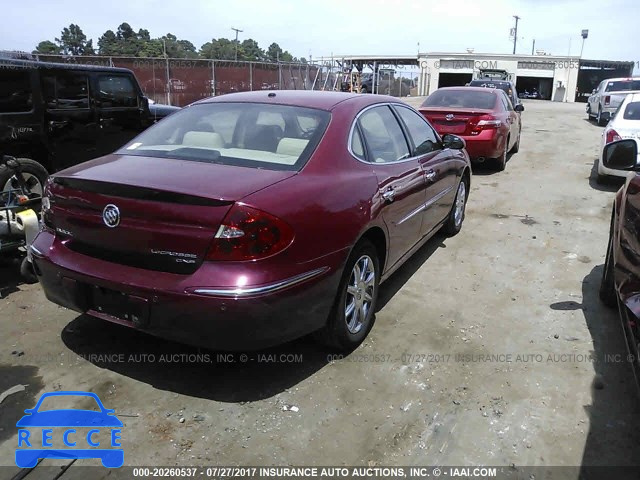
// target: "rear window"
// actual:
[[622, 85], [632, 111], [461, 99], [15, 91], [275, 137]]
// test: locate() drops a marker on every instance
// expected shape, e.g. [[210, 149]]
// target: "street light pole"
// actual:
[[585, 34], [236, 30], [515, 34]]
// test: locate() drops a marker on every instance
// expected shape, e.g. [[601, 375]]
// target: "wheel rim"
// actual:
[[31, 181], [460, 203], [360, 293]]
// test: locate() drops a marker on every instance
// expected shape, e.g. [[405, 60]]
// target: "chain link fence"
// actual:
[[179, 82]]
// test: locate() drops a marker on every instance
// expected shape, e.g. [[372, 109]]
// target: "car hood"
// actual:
[[207, 180]]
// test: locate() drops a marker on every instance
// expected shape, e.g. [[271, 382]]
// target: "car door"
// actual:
[[120, 109], [438, 164], [512, 119], [69, 117], [401, 178]]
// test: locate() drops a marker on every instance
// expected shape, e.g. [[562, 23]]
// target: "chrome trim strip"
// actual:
[[270, 288], [36, 251], [426, 205]]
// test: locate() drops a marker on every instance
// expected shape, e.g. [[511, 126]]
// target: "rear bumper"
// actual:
[[488, 144], [185, 309]]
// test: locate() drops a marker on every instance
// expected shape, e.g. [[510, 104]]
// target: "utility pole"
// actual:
[[585, 34], [236, 30], [515, 34], [533, 47]]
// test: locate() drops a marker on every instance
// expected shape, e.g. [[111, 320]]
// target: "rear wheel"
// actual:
[[352, 315], [607, 286], [364, 90], [27, 272], [601, 121], [501, 161], [453, 225]]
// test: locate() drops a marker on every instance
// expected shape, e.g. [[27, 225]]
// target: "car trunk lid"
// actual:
[[157, 214], [457, 121]]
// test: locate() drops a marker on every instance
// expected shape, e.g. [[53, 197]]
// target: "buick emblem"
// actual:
[[111, 216], [449, 116]]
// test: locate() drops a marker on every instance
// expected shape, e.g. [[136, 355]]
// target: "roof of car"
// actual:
[[489, 80], [307, 98], [17, 63]]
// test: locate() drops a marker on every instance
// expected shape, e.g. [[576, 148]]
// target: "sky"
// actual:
[[340, 27]]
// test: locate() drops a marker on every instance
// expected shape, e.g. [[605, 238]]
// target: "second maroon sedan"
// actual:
[[250, 219], [484, 117]]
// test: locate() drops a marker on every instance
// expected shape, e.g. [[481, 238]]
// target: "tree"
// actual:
[[47, 47], [73, 41], [108, 44], [287, 57], [251, 51], [221, 49], [274, 52]]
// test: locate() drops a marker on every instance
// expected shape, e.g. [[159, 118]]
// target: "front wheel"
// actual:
[[453, 225], [352, 315]]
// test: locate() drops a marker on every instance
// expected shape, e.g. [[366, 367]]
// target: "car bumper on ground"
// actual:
[[180, 307]]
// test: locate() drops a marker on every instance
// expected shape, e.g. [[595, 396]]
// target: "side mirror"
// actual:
[[453, 142], [519, 108], [621, 155]]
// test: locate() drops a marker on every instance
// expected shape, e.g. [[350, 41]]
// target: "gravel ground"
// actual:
[[490, 348]]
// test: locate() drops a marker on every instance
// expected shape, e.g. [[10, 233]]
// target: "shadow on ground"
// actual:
[[208, 374], [605, 184], [614, 414], [10, 277]]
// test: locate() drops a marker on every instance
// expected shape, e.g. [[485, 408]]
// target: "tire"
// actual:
[[344, 332], [27, 272], [607, 286], [516, 146], [34, 174], [364, 90], [453, 224], [501, 161], [601, 122]]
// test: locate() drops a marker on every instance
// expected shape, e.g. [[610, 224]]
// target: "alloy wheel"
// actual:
[[360, 294]]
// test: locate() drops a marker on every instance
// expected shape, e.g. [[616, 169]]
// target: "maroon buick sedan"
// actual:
[[250, 219]]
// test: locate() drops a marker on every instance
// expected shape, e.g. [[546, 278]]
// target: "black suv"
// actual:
[[62, 114], [508, 87]]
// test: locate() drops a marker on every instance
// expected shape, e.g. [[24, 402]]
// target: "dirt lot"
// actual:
[[519, 283]]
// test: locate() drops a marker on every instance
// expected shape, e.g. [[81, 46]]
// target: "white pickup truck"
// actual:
[[607, 97]]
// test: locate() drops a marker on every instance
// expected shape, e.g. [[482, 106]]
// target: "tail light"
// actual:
[[47, 219], [247, 233], [607, 100], [612, 136], [485, 122]]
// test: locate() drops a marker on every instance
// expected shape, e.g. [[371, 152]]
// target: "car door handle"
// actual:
[[389, 195], [431, 175]]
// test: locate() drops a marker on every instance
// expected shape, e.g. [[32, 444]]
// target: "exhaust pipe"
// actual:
[[480, 159]]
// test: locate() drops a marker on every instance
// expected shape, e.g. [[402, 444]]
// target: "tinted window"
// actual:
[[461, 98], [229, 134], [66, 91], [117, 91], [632, 111], [383, 135], [506, 102], [423, 137], [15, 91], [622, 85]]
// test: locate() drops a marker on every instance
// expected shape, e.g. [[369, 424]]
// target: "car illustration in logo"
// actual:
[[32, 446]]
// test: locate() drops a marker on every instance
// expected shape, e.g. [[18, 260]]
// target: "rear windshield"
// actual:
[[257, 135], [622, 85], [461, 98], [632, 111]]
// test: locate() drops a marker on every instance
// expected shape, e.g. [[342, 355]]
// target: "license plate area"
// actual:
[[129, 308]]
